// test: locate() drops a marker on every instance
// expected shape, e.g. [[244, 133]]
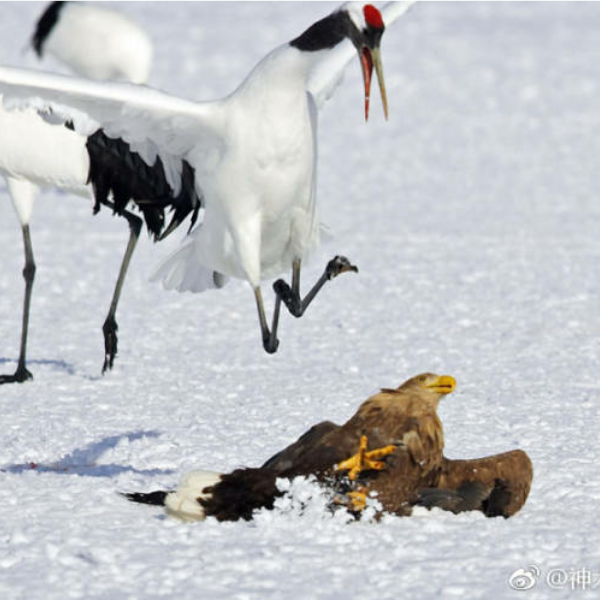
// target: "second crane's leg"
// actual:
[[22, 374], [110, 326], [291, 296]]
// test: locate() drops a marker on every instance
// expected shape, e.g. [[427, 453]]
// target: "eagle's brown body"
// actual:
[[415, 472], [405, 417]]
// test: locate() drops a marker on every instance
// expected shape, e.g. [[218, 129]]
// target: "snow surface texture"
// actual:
[[473, 216]]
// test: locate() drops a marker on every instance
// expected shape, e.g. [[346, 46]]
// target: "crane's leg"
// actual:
[[22, 374], [110, 326], [291, 296], [269, 336]]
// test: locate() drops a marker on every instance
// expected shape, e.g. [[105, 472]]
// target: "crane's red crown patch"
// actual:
[[373, 16]]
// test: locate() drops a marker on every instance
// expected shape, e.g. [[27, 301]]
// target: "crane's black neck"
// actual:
[[333, 29], [45, 25], [326, 33]]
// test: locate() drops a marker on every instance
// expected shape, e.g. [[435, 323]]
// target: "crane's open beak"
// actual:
[[369, 58]]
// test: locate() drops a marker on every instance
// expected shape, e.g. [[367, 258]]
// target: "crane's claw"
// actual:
[[338, 265], [21, 375], [363, 460]]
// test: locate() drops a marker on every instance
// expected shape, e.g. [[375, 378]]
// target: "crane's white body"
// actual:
[[100, 43], [33, 151], [258, 182]]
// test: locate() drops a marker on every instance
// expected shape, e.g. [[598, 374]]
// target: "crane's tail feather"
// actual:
[[182, 271]]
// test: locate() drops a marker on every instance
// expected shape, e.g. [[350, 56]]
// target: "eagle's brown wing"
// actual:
[[470, 495], [507, 477], [322, 446]]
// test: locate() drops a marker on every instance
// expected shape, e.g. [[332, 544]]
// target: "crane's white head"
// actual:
[[363, 25]]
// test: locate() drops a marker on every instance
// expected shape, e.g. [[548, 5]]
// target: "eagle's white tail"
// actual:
[[183, 502]]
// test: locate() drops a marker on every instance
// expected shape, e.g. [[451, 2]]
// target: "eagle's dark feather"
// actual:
[[240, 493], [508, 477], [468, 496]]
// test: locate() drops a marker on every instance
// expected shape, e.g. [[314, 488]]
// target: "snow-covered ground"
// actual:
[[473, 215]]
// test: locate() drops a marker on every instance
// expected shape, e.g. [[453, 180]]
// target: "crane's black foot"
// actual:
[[338, 265], [109, 329], [291, 298], [21, 375], [270, 344]]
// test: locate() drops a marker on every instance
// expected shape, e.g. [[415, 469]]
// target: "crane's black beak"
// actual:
[[369, 58]]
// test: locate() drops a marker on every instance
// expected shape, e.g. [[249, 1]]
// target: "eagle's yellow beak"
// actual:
[[444, 384]]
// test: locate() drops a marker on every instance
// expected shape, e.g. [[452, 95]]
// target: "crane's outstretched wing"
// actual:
[[392, 11], [153, 123], [325, 78]]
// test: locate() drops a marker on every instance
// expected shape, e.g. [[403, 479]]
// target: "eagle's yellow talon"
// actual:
[[380, 452], [363, 460], [358, 500]]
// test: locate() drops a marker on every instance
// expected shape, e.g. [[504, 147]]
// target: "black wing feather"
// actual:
[[117, 171]]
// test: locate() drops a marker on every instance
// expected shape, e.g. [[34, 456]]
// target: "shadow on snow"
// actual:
[[59, 365], [82, 461]]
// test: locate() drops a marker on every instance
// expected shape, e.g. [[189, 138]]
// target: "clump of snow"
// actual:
[[305, 498]]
